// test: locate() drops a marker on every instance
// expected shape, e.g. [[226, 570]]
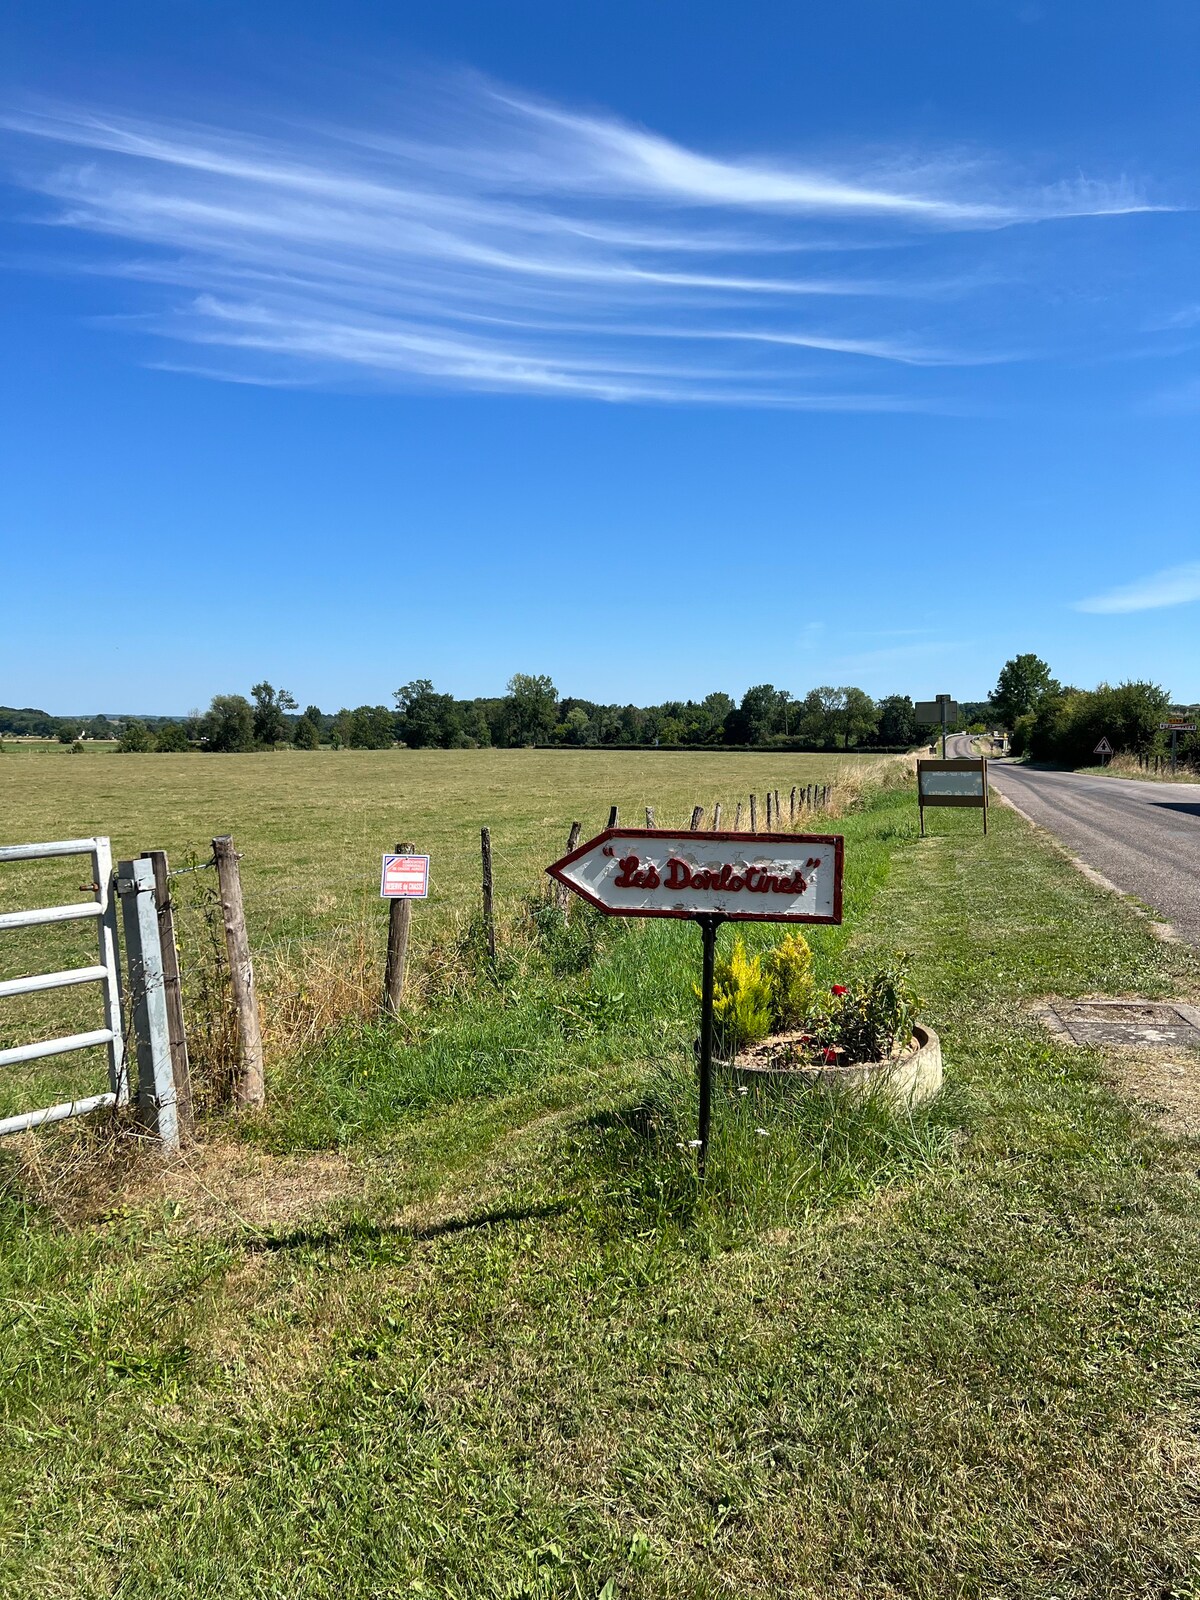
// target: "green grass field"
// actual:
[[453, 1317], [311, 827]]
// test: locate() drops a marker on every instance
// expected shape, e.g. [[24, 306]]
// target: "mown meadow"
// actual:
[[454, 1317], [312, 826]]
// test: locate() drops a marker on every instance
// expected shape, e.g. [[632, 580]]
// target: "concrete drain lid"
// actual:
[[1131, 1022]]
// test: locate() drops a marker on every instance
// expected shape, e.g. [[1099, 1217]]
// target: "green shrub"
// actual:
[[741, 999], [872, 1015], [793, 987]]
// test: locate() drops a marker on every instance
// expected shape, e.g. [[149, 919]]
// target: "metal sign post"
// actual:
[[943, 710], [709, 878], [709, 923]]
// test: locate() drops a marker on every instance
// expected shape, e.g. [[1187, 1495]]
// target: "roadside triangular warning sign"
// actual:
[[1103, 748]]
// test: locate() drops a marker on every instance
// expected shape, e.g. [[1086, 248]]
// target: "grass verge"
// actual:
[[521, 1353]]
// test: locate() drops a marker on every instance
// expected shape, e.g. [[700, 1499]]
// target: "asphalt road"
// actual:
[[1144, 837]]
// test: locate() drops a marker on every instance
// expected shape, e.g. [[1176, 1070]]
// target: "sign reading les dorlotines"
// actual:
[[745, 877]]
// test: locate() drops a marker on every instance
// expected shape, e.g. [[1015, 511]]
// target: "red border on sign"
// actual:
[[834, 839]]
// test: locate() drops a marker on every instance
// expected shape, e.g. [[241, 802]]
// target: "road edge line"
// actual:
[[1162, 931]]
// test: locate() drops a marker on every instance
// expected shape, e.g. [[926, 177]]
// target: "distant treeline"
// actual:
[[531, 713]]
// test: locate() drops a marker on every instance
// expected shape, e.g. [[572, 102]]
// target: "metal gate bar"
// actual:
[[103, 908]]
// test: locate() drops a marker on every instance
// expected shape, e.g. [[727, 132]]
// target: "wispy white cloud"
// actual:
[[500, 243], [896, 655], [1173, 586]]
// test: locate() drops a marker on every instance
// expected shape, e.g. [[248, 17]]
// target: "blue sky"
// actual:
[[660, 348]]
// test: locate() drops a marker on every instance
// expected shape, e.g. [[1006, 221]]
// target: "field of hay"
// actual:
[[311, 827]]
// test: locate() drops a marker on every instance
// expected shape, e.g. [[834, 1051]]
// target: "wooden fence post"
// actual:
[[737, 819], [613, 819], [716, 822], [792, 806], [768, 810], [649, 816], [564, 894], [399, 922], [489, 920], [697, 819], [753, 813], [173, 991], [249, 1090]]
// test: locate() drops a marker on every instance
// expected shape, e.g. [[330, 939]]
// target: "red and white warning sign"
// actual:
[[405, 878]]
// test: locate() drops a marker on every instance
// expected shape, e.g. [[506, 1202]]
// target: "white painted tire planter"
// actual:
[[906, 1080]]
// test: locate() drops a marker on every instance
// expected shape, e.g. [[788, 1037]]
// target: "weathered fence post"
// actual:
[[792, 805], [148, 1001], [716, 821], [173, 991], [564, 894], [753, 813], [697, 819], [249, 1089], [649, 816], [768, 810], [613, 818], [737, 818], [489, 920], [399, 923]]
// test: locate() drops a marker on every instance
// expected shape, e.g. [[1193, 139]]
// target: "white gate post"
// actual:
[[143, 951]]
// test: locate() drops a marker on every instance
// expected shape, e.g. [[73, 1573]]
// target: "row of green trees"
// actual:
[[533, 713]]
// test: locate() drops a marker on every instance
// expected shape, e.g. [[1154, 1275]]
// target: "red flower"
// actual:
[[829, 1057], [839, 988]]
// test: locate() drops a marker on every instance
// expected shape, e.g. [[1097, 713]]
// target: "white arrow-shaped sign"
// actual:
[[749, 877]]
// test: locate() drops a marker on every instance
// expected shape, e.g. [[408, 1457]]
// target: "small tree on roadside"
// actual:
[[1024, 682]]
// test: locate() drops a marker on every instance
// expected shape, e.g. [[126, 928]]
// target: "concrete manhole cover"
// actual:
[[1142, 1023]]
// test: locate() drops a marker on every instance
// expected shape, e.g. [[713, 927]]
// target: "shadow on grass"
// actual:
[[357, 1234]]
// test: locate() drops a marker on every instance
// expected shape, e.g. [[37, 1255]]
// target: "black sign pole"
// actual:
[[709, 922]]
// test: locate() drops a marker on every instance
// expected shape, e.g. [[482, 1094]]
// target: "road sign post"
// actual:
[[943, 710], [1104, 750], [709, 878], [1175, 726]]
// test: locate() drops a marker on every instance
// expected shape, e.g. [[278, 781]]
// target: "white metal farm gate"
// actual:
[[102, 906], [135, 884]]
